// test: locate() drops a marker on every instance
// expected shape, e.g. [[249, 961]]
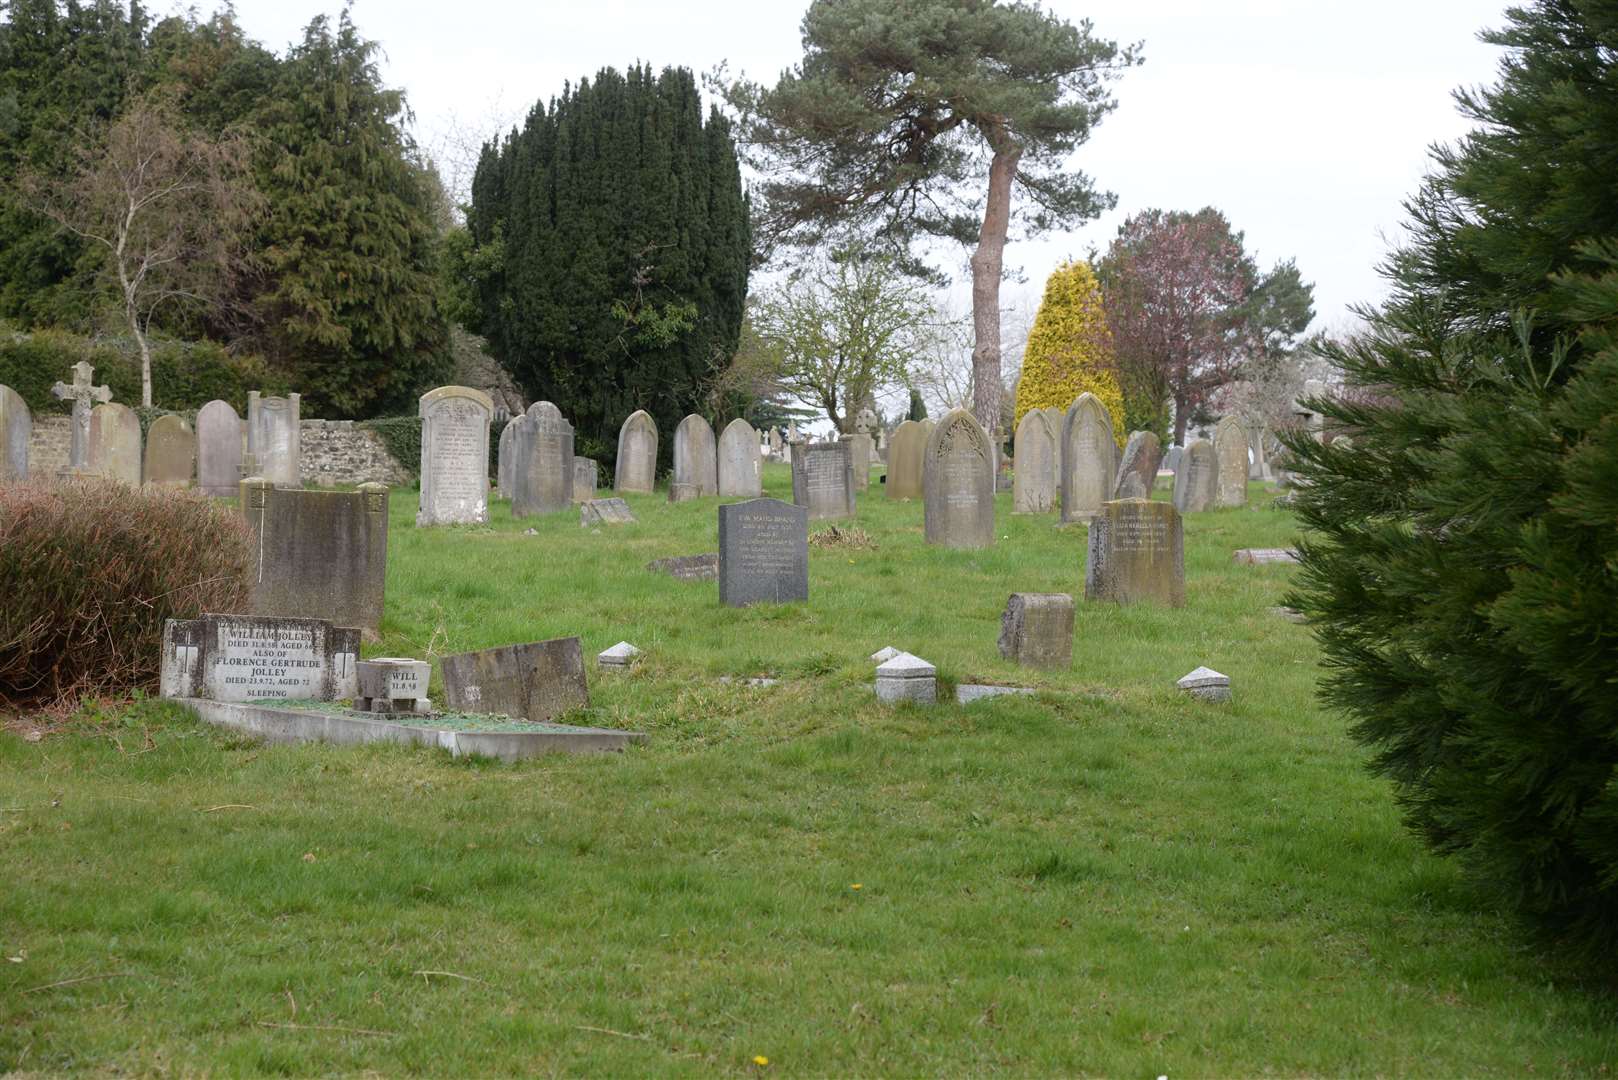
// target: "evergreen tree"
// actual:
[[1462, 565], [609, 251], [1070, 349]]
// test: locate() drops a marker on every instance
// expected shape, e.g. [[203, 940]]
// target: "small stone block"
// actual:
[[966, 693], [1206, 684], [883, 655], [617, 658], [679, 493], [605, 512], [1036, 630], [907, 678], [392, 685], [1265, 556]]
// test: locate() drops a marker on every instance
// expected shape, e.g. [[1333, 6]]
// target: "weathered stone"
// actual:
[[637, 454], [389, 684], [318, 554], [1290, 614], [1137, 469], [905, 456], [16, 427], [171, 452], [823, 479], [255, 658], [1264, 556], [115, 443], [605, 512], [539, 680], [1088, 458], [542, 479], [1205, 684], [619, 658], [907, 678], [1171, 459], [679, 493], [454, 457], [505, 462], [1033, 489], [1196, 482], [219, 450], [696, 456], [274, 438], [861, 448], [763, 553], [959, 484], [966, 693], [1036, 630], [84, 396], [741, 465], [585, 472], [1136, 553], [688, 567], [1230, 447], [884, 654]]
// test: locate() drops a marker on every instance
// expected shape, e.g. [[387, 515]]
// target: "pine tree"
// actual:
[[1070, 349], [1462, 565]]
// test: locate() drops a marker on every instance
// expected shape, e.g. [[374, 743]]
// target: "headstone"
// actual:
[[1137, 553], [1230, 446], [16, 425], [219, 450], [637, 454], [1137, 470], [741, 466], [505, 462], [703, 567], [115, 443], [619, 658], [958, 481], [696, 455], [605, 512], [542, 477], [907, 678], [904, 460], [274, 438], [318, 554], [763, 553], [171, 452], [884, 654], [679, 493], [1036, 630], [257, 658], [454, 457], [1205, 684], [1171, 459], [84, 397], [1088, 455], [390, 684], [1033, 489], [538, 681], [860, 448], [1056, 417], [1265, 556], [584, 479], [966, 693], [823, 479], [1196, 483]]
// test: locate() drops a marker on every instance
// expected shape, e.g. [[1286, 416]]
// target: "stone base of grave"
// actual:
[[284, 724], [966, 693]]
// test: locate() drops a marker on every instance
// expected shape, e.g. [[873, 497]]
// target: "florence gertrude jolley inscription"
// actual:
[[255, 658]]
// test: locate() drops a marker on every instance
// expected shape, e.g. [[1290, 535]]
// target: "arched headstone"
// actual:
[[115, 443], [505, 462], [219, 450], [454, 456], [1033, 488], [1087, 452], [637, 454], [696, 456], [1137, 470], [1230, 446], [542, 478], [171, 452], [740, 461], [904, 460], [1196, 481], [16, 425], [958, 483]]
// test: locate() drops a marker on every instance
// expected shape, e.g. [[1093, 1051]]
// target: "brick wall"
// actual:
[[48, 445]]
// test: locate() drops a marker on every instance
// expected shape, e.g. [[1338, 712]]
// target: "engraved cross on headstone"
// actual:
[[83, 395]]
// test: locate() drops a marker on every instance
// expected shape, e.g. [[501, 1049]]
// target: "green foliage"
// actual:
[[402, 436], [1463, 566], [185, 375], [609, 252], [918, 407], [1069, 349]]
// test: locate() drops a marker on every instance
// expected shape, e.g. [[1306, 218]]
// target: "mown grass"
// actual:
[[1104, 878]]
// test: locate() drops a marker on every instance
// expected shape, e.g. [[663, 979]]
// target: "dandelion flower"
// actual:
[[856, 886], [760, 1060]]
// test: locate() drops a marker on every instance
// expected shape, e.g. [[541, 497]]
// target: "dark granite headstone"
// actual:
[[763, 552], [540, 680]]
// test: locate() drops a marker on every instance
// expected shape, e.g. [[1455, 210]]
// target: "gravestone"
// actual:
[[258, 658], [505, 461], [115, 443], [605, 512], [958, 483], [763, 553], [1088, 453], [16, 425], [904, 460], [907, 678], [679, 493], [454, 457], [1171, 459], [1033, 489], [171, 452], [318, 554], [537, 681], [542, 477], [637, 454], [1137, 470], [741, 465], [1264, 556], [1137, 553], [390, 684], [584, 479], [84, 397], [1036, 630], [1056, 416], [219, 450], [823, 479], [1205, 684], [704, 567], [696, 456], [274, 438], [860, 448], [1230, 447], [1196, 483]]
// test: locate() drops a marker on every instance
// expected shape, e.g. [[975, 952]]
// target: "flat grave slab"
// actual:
[[1265, 556]]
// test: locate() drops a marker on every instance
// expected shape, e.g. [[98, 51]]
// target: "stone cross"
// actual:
[[84, 396]]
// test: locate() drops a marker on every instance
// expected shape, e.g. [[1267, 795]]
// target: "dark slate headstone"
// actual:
[[1036, 630], [257, 658], [538, 681], [318, 554], [1137, 552], [823, 479], [688, 567], [1137, 470], [763, 552], [958, 483]]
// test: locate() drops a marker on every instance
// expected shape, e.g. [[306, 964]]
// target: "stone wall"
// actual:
[[48, 445]]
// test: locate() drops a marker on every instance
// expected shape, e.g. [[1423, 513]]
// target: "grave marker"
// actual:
[[257, 658], [16, 425], [1136, 553], [637, 454], [861, 448], [505, 461], [763, 553], [1036, 630], [823, 479], [1137, 470], [84, 397], [537, 681], [605, 512], [115, 443], [171, 452], [584, 479], [542, 477], [454, 457], [1033, 488], [958, 481], [1196, 482], [905, 455], [1230, 447], [219, 450], [1088, 453], [318, 554], [741, 466], [274, 438], [696, 456]]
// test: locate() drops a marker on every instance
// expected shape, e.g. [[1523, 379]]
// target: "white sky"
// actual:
[[1305, 121]]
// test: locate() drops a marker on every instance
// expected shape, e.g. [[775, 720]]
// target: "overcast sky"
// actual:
[[1305, 121]]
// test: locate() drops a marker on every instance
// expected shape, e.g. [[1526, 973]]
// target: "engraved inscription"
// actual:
[[254, 661], [1140, 534], [767, 544]]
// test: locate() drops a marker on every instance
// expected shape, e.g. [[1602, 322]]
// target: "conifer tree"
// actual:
[[1070, 348], [1461, 566]]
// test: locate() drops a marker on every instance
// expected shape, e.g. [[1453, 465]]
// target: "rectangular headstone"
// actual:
[[454, 457], [605, 512], [318, 554], [258, 658], [1137, 552], [1036, 630], [860, 451], [538, 681], [16, 425], [688, 567], [275, 437], [823, 479], [584, 479], [763, 553]]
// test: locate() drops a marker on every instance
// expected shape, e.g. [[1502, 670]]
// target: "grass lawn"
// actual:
[[1104, 878]]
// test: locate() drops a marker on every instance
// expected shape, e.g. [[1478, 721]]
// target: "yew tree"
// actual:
[[911, 121]]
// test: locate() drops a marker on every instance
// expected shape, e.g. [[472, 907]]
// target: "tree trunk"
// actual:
[[987, 263], [1182, 413]]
